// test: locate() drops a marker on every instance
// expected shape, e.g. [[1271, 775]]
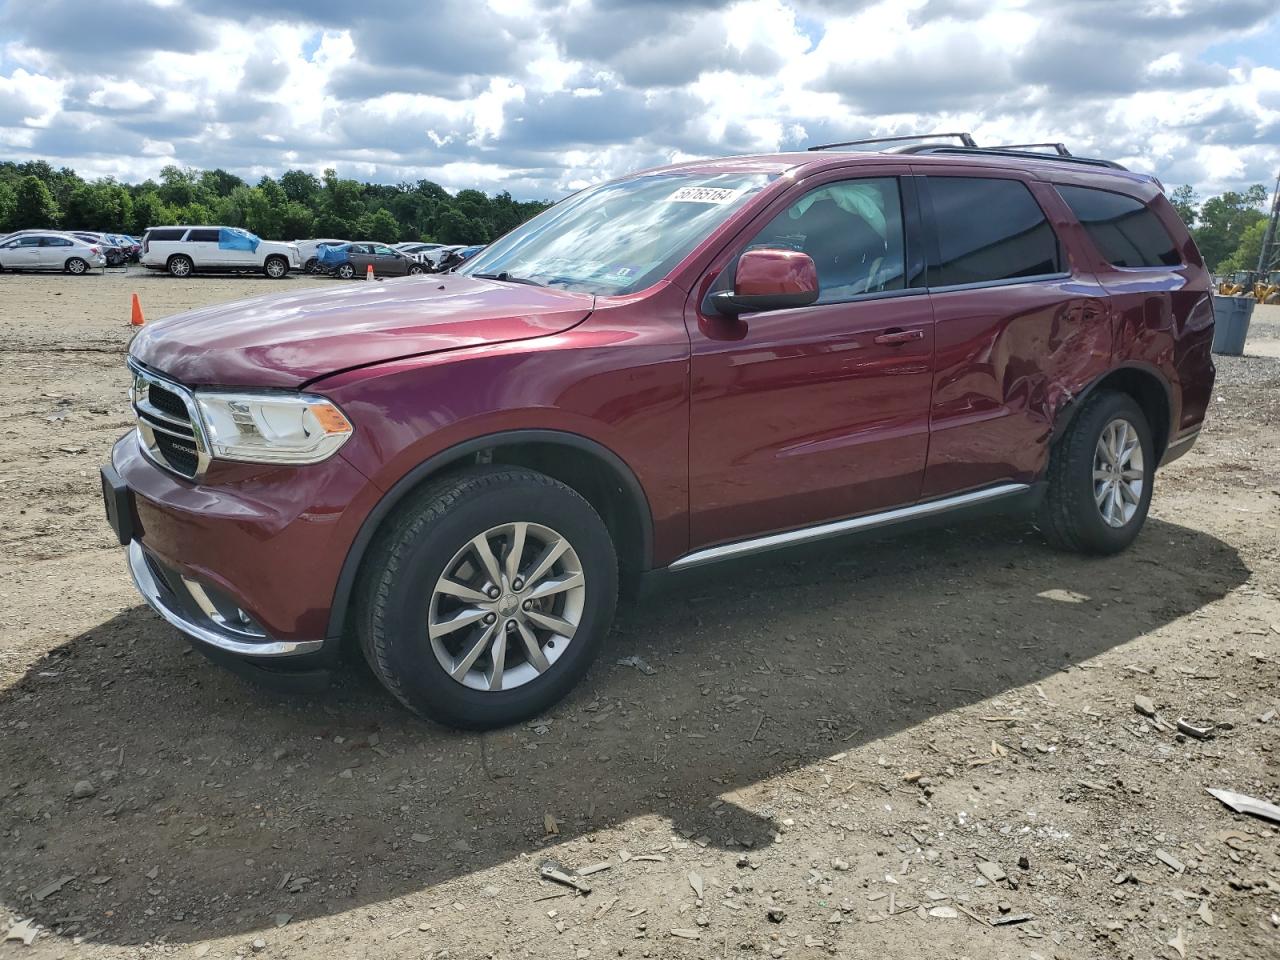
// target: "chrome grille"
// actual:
[[168, 425]]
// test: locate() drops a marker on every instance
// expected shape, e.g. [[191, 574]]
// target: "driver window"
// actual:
[[853, 232], [384, 251]]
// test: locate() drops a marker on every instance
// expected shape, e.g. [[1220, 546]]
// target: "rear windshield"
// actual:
[[1125, 230], [621, 236]]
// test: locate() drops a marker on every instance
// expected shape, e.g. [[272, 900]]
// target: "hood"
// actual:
[[284, 341]]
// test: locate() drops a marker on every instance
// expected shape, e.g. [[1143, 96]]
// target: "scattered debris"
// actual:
[[686, 934], [83, 789], [1205, 913], [992, 871], [1243, 804], [1009, 919], [637, 663], [945, 913], [1179, 944], [595, 868], [695, 881], [550, 826], [1170, 861], [24, 930], [52, 887], [1200, 731], [1144, 706], [554, 870], [776, 915]]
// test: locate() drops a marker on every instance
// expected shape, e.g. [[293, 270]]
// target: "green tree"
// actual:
[[1246, 254], [300, 186], [179, 187], [150, 211], [1185, 201], [33, 205], [379, 225], [1223, 221], [7, 203]]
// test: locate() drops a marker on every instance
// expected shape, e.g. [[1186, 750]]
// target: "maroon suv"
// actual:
[[683, 366]]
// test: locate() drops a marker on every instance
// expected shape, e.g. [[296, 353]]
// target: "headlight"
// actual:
[[271, 427]]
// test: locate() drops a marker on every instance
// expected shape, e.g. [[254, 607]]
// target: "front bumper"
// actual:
[[246, 562], [187, 605]]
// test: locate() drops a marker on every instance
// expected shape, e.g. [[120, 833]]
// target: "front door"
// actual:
[[388, 263], [821, 412], [22, 254]]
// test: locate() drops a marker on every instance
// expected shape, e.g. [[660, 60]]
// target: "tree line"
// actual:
[[1228, 228], [295, 206]]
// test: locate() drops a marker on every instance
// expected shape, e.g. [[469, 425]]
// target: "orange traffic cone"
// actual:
[[137, 319], [368, 274]]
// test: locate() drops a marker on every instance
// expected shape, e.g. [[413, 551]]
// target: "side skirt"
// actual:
[[867, 522]]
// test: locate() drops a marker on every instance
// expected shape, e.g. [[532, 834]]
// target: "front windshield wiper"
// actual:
[[508, 278]]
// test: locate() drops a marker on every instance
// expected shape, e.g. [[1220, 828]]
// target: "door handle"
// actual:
[[899, 337]]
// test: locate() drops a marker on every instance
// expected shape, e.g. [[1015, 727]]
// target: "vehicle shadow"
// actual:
[[216, 805]]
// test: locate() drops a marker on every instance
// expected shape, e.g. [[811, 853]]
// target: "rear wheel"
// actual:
[[487, 597], [276, 267], [1100, 477], [77, 266], [346, 271], [180, 265]]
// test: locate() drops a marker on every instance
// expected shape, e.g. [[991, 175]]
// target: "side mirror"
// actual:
[[769, 280]]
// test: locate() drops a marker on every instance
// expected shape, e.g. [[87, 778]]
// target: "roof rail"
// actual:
[[964, 138], [926, 148], [1059, 148]]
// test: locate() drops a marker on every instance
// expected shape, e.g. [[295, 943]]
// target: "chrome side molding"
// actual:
[[825, 531]]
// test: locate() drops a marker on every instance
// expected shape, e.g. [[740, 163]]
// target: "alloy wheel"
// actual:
[[507, 606], [1118, 474]]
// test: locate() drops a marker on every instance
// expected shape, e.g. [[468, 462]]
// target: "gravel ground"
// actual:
[[847, 752]]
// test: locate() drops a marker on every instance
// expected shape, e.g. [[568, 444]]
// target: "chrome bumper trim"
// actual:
[[824, 531], [223, 640]]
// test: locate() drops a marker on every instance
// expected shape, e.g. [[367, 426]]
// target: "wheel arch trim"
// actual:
[[1071, 409], [396, 494]]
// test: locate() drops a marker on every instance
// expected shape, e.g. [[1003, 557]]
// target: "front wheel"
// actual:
[[76, 266], [1100, 477], [415, 269], [276, 267], [486, 598], [312, 265]]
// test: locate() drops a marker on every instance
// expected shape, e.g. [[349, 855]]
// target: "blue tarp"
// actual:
[[233, 238], [331, 254]]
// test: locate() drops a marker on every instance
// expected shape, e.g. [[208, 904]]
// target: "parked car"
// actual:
[[131, 246], [679, 367], [115, 252], [186, 250], [442, 257], [349, 260], [49, 250], [417, 250], [308, 249]]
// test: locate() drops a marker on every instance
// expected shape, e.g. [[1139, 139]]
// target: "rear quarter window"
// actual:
[[987, 230], [1126, 231], [165, 234]]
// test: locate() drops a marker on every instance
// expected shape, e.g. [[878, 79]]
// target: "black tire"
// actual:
[[276, 267], [76, 266], [345, 271], [414, 550], [180, 266], [312, 265], [1070, 516], [415, 269]]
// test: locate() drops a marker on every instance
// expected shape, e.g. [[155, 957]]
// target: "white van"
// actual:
[[186, 250]]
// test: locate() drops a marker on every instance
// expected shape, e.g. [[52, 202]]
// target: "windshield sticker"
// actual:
[[704, 195]]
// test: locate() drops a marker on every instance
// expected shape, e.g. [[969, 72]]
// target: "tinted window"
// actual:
[[29, 242], [165, 234], [55, 242], [853, 232], [1127, 233], [384, 251], [203, 236], [988, 230]]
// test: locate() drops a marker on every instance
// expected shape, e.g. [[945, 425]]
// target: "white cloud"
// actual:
[[544, 96]]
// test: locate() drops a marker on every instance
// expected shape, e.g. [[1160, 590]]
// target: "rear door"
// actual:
[[55, 252], [202, 247], [1019, 324]]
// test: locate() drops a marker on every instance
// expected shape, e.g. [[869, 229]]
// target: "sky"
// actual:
[[542, 97]]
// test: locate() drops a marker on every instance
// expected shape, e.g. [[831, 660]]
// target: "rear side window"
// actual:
[[55, 242], [203, 236], [988, 230], [165, 234], [1125, 230]]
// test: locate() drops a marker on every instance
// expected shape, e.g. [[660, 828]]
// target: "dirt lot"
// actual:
[[830, 744]]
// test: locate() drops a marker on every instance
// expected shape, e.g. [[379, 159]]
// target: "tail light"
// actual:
[[94, 251]]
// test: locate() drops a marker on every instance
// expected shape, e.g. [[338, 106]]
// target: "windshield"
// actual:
[[618, 237]]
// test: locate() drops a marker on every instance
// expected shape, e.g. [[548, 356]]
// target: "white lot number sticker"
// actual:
[[704, 195]]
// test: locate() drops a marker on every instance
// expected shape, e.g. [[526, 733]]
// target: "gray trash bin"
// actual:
[[1231, 324]]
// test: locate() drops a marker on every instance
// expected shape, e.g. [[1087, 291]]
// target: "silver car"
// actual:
[[49, 250]]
